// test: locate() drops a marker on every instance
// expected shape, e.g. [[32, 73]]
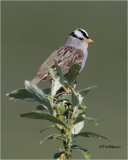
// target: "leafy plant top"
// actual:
[[64, 107]]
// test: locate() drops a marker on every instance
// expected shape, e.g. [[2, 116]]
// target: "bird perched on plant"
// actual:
[[73, 51]]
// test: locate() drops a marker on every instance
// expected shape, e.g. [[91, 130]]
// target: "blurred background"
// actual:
[[31, 31]]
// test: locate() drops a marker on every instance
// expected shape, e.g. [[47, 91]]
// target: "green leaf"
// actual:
[[41, 108], [78, 147], [51, 71], [81, 111], [85, 91], [66, 98], [77, 127], [82, 106], [73, 72], [85, 153], [59, 72], [57, 155], [59, 94], [23, 93], [38, 94], [75, 100], [52, 136], [46, 116], [47, 90], [56, 85], [48, 127], [62, 108], [83, 117], [58, 81], [90, 134], [20, 94]]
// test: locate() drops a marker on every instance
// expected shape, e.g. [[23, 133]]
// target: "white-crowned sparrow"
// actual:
[[74, 50]]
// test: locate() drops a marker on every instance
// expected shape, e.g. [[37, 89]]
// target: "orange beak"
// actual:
[[89, 41]]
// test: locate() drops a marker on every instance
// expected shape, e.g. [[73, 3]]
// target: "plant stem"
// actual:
[[66, 143], [68, 133], [68, 157], [58, 110], [62, 156], [66, 90], [60, 117]]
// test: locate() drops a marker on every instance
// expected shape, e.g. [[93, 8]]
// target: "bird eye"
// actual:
[[81, 39]]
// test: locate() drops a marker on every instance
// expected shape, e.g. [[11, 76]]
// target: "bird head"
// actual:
[[79, 37]]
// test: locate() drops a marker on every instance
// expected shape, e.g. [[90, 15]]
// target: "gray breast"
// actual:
[[84, 59]]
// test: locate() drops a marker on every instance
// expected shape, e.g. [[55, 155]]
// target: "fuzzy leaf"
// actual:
[[82, 106], [81, 111], [85, 91], [46, 116], [73, 72], [77, 127], [38, 94], [58, 81], [62, 108], [85, 153], [57, 155], [83, 117], [75, 100], [20, 94], [65, 97], [59, 72], [78, 147], [51, 71], [56, 85], [90, 134], [52, 136], [41, 108], [46, 91], [48, 127]]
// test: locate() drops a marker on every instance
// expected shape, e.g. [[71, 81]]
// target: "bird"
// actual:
[[73, 51]]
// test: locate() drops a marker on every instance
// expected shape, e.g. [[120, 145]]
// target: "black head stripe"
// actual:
[[74, 35], [84, 34]]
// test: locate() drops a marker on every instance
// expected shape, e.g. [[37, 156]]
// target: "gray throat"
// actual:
[[78, 45]]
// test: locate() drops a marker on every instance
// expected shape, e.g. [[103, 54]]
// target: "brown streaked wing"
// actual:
[[65, 55], [75, 57]]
